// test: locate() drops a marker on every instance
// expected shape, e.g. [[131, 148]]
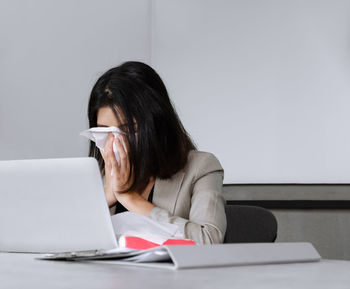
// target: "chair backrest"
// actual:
[[249, 224]]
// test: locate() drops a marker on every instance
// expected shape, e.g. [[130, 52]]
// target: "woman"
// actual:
[[161, 174]]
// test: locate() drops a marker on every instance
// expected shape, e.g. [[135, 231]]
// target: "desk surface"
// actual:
[[23, 271]]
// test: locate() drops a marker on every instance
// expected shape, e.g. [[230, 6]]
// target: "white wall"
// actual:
[[51, 54], [265, 85]]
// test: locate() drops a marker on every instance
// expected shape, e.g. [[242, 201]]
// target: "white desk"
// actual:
[[23, 271]]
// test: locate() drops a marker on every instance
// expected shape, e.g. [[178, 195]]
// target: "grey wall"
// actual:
[[264, 85], [51, 53]]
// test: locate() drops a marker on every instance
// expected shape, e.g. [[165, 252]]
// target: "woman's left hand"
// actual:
[[123, 171], [118, 176]]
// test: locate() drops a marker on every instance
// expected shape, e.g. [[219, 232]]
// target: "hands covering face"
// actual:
[[118, 176]]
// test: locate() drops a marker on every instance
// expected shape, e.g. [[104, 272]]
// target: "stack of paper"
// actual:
[[138, 232]]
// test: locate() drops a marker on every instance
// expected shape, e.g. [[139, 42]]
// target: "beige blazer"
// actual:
[[192, 199]]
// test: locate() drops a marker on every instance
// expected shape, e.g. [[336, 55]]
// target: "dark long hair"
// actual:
[[135, 92]]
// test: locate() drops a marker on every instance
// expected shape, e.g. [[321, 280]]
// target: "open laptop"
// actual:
[[53, 205], [58, 206]]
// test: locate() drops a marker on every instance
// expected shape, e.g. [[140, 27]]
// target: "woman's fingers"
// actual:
[[110, 152], [122, 154], [120, 174], [125, 146], [124, 143], [108, 155]]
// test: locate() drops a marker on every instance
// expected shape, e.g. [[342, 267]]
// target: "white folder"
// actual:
[[185, 257]]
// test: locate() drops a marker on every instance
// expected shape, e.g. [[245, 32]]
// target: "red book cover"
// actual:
[[138, 243]]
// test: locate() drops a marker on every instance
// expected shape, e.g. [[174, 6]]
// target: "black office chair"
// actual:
[[249, 224]]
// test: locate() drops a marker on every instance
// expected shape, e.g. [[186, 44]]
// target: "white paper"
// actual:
[[99, 136], [131, 224], [150, 256]]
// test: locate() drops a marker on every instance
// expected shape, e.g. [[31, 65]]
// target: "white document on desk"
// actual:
[[131, 224]]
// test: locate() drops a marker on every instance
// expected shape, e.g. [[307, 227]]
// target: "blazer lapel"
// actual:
[[166, 191]]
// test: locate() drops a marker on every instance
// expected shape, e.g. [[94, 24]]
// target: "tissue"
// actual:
[[99, 136]]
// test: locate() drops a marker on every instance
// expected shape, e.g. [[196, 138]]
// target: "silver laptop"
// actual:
[[58, 206], [53, 205]]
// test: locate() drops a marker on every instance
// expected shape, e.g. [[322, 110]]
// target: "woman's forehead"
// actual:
[[106, 117]]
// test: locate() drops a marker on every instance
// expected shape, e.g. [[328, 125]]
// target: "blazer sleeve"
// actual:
[[207, 218]]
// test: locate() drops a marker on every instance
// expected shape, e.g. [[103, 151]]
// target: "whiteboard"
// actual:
[[264, 85]]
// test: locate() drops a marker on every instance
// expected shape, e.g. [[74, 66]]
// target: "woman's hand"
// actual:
[[118, 176]]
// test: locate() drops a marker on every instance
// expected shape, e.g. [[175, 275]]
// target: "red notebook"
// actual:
[[137, 243]]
